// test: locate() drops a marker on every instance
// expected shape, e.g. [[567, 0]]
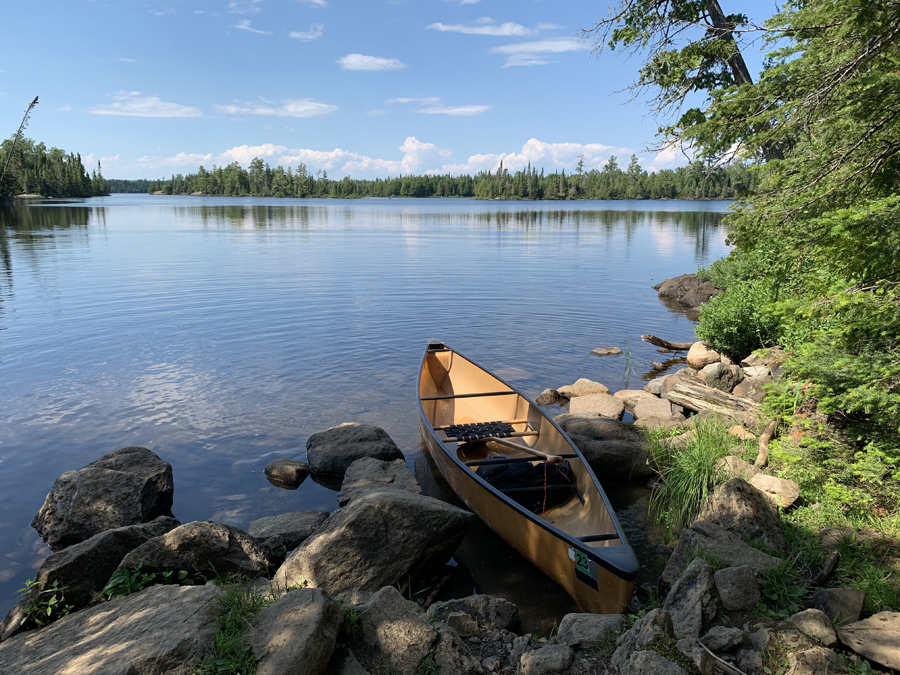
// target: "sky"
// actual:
[[366, 88]]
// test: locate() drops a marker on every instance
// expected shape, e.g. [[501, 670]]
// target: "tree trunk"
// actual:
[[699, 397]]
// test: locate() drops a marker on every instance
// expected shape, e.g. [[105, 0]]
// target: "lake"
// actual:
[[222, 332]]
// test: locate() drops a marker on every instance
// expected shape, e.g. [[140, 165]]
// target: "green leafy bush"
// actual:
[[737, 322], [45, 605]]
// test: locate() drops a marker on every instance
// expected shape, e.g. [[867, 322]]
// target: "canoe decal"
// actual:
[[585, 568]]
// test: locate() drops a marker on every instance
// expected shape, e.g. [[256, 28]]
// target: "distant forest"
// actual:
[[35, 169], [695, 181]]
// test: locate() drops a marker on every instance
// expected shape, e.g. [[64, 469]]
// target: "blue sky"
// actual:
[[365, 88]]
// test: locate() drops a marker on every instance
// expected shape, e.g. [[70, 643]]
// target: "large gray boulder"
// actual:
[[631, 397], [842, 605], [603, 405], [451, 655], [204, 548], [370, 474], [647, 661], [298, 629], [687, 289], [701, 355], [286, 472], [721, 376], [876, 638], [397, 628], [753, 388], [690, 602], [738, 587], [547, 660], [373, 541], [589, 631], [815, 623], [741, 508], [489, 612], [654, 625], [652, 407], [582, 387], [611, 447], [159, 631], [85, 568], [332, 451], [293, 528], [126, 487], [781, 491]]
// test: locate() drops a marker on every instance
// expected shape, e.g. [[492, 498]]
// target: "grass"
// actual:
[[237, 605], [688, 474]]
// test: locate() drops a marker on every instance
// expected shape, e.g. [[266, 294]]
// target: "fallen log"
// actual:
[[827, 570], [665, 344], [699, 397], [763, 457]]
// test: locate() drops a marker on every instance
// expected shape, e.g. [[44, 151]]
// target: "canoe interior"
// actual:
[[447, 373]]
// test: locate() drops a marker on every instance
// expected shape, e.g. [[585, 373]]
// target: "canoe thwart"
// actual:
[[599, 537], [445, 397], [524, 420], [509, 460], [553, 459]]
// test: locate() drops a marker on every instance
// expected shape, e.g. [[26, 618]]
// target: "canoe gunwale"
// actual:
[[594, 553]]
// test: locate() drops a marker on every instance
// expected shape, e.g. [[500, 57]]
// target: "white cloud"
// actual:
[[132, 104], [540, 154], [369, 63], [244, 6], [532, 53], [125, 59], [162, 11], [245, 25], [485, 26], [194, 159], [667, 158], [299, 107], [314, 33], [314, 3], [429, 100], [455, 110]]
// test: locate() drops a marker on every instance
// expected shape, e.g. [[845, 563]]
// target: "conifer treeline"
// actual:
[[34, 169], [694, 181]]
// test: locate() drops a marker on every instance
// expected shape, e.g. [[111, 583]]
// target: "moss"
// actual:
[[667, 648]]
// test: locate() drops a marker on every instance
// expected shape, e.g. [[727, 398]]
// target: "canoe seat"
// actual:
[[478, 430], [599, 537]]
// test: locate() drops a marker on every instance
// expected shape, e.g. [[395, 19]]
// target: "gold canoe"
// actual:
[[576, 541]]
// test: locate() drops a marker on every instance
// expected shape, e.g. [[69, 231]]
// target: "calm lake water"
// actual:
[[221, 333]]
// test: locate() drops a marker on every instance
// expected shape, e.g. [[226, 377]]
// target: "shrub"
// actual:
[[736, 321]]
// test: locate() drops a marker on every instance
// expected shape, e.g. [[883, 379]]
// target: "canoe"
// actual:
[[476, 428]]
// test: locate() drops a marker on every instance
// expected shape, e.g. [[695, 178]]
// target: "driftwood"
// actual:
[[699, 397], [763, 457], [723, 665], [666, 345], [827, 570]]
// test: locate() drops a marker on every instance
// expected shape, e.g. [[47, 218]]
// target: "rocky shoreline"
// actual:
[[131, 590]]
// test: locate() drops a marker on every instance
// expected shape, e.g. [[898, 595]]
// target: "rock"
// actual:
[[741, 508], [209, 549], [276, 550], [451, 656], [606, 351], [85, 568], [701, 355], [652, 407], [876, 638], [589, 631], [630, 397], [722, 377], [368, 474], [781, 491], [757, 372], [679, 376], [842, 605], [741, 433], [490, 612], [289, 471], [769, 356], [735, 467], [520, 645], [673, 421], [126, 487], [373, 541], [751, 661], [814, 623], [648, 661], [816, 661], [293, 528], [689, 602], [301, 627], [753, 388], [598, 404], [738, 588], [681, 441], [158, 631], [546, 660], [464, 624], [654, 625], [492, 664], [722, 639], [549, 397], [693, 650], [687, 289], [582, 387], [832, 537], [612, 448], [349, 665], [397, 627], [332, 451], [655, 386], [722, 544]]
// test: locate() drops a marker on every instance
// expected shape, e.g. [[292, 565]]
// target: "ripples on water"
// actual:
[[221, 333]]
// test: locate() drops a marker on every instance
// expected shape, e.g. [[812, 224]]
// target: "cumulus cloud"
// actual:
[[314, 33], [369, 63], [132, 104], [487, 26], [299, 107], [244, 6], [245, 25], [432, 105], [539, 154], [534, 53]]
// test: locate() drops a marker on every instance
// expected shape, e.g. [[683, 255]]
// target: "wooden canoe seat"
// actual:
[[599, 537], [481, 430]]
